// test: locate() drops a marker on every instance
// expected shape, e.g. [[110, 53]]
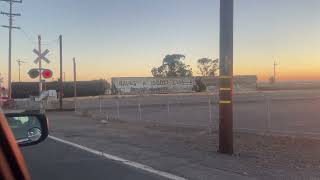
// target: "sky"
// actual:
[[112, 38]]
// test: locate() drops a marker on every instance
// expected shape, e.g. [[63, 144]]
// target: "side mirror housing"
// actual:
[[28, 128]]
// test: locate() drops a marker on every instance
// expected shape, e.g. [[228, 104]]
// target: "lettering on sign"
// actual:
[[159, 82], [127, 83]]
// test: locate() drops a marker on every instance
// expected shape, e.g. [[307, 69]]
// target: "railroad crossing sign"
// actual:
[[41, 56]]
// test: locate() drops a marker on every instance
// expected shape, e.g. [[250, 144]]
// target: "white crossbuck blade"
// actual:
[[41, 56]]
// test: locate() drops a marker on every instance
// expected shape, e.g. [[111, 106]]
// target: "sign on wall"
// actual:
[[151, 85]]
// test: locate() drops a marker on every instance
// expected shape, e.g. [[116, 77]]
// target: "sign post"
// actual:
[[41, 56]]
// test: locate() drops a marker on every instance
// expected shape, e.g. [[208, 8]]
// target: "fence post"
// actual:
[[139, 110], [118, 110], [268, 101], [168, 109], [75, 104], [210, 115], [100, 104]]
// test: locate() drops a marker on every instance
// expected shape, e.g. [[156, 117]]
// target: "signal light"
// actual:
[[33, 73], [47, 73]]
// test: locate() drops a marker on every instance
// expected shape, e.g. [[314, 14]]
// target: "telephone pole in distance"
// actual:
[[10, 27], [19, 64]]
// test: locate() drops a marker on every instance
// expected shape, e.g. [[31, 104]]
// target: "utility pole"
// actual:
[[19, 64], [274, 71], [10, 27], [75, 83], [61, 76], [226, 77]]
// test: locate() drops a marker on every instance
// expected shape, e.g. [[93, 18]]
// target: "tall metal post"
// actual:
[[10, 55], [40, 66], [226, 78], [75, 83], [274, 71], [19, 71], [61, 76], [19, 64]]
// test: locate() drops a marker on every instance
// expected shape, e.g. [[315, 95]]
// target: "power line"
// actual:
[[31, 39], [10, 14], [28, 36]]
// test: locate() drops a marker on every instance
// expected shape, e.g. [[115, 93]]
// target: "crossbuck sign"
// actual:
[[41, 56]]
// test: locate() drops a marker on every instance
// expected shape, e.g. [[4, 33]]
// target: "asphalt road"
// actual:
[[53, 160]]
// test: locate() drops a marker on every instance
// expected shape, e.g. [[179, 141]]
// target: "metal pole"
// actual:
[[10, 45], [268, 101], [61, 76], [100, 104], [168, 109], [40, 66], [75, 83], [19, 64], [226, 78], [210, 115], [274, 71], [118, 110], [139, 110]]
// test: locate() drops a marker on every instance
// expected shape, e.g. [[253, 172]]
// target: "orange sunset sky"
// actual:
[[128, 38]]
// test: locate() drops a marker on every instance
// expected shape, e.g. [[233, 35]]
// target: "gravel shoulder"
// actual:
[[192, 152]]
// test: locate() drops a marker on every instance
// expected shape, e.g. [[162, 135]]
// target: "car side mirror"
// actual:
[[28, 128]]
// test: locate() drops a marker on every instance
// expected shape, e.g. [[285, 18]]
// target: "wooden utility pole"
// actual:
[[61, 76], [10, 27], [226, 78]]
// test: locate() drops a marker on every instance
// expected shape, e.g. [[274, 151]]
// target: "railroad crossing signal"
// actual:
[[47, 73], [41, 56], [33, 73]]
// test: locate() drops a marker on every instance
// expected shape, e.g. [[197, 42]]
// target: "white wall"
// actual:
[[151, 85]]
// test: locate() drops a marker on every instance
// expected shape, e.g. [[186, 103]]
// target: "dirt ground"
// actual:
[[192, 152]]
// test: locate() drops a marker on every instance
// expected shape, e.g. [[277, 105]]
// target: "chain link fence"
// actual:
[[287, 113]]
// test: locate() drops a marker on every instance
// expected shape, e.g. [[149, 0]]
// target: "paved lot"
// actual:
[[52, 160]]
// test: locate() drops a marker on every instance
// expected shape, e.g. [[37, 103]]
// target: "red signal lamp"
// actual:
[[47, 73]]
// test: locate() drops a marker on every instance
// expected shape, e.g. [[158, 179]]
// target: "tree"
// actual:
[[172, 66], [208, 67]]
